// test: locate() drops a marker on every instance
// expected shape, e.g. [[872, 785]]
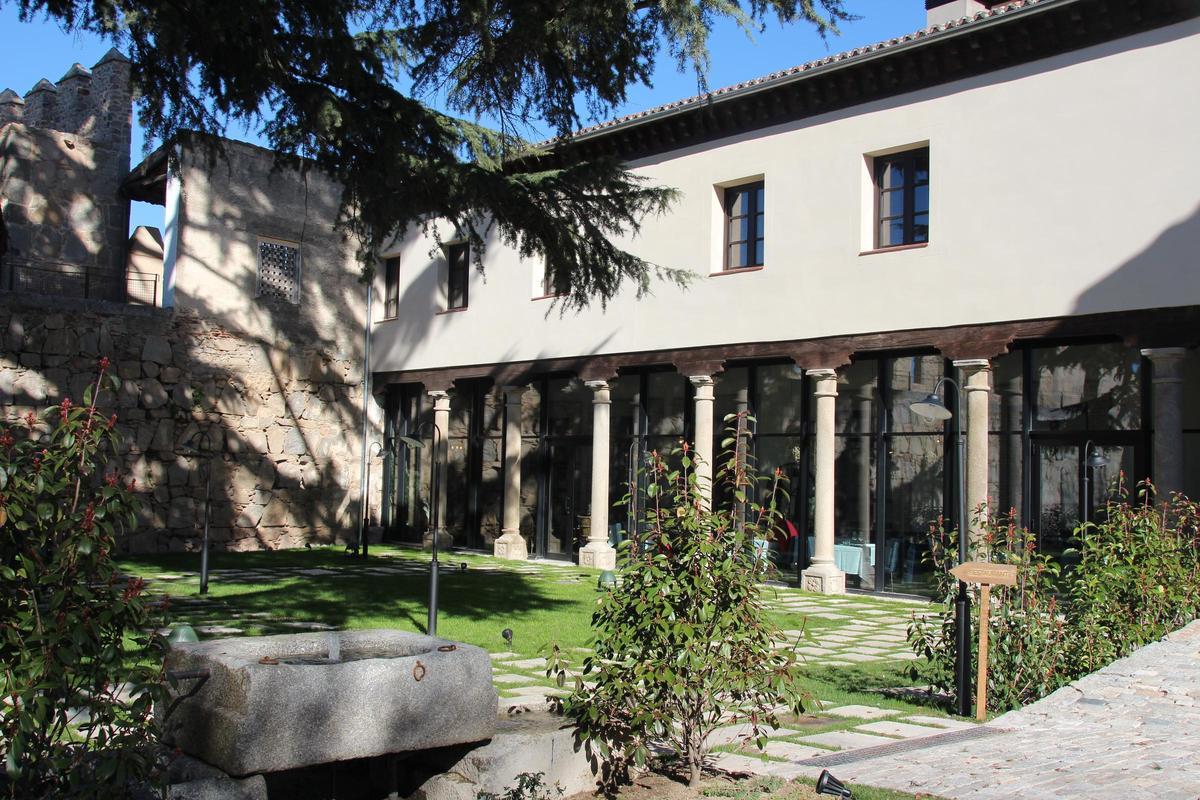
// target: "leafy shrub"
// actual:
[[1134, 578], [1027, 631], [529, 786], [1138, 578], [76, 713], [683, 644]]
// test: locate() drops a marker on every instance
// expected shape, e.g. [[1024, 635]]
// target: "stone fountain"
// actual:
[[275, 703]]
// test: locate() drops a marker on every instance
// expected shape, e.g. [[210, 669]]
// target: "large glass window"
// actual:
[[1087, 387], [856, 478], [915, 482], [902, 187], [458, 271], [745, 220]]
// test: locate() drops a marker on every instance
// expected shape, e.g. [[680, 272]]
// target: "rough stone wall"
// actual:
[[64, 151], [284, 464]]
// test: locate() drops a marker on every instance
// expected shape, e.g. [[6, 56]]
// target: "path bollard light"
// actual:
[[507, 635], [182, 633], [607, 579], [827, 784]]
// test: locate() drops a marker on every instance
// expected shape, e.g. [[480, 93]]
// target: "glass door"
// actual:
[[568, 491]]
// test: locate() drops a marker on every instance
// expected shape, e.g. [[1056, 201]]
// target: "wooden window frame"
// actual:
[[391, 287], [752, 214], [463, 267], [909, 160]]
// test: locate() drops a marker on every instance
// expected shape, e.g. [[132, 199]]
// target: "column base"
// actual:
[[823, 579], [511, 546], [445, 540], [598, 555]]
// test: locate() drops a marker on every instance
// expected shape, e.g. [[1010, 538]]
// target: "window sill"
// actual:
[[735, 271], [546, 297], [894, 248], [449, 311]]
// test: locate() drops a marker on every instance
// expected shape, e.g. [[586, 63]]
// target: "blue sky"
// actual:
[[40, 49]]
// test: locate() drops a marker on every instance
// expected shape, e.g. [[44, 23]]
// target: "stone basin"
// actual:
[[279, 702]]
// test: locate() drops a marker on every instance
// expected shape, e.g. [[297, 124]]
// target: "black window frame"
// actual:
[[391, 287], [752, 213], [909, 160], [458, 271]]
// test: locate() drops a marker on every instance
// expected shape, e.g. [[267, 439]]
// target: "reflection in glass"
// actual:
[[914, 504], [1087, 387]]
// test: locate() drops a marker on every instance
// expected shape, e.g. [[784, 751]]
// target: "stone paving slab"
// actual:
[[860, 712], [736, 733], [1130, 730], [793, 752], [904, 730], [941, 722], [846, 740]]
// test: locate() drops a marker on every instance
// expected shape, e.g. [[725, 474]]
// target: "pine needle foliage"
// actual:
[[352, 85]]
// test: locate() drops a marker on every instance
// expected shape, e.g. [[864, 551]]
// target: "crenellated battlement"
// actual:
[[95, 103]]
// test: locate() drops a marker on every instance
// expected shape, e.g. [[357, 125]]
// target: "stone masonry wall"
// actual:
[[284, 462]]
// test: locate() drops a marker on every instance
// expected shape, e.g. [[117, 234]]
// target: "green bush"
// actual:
[[1137, 579], [1027, 631], [77, 708], [683, 644], [1134, 577]]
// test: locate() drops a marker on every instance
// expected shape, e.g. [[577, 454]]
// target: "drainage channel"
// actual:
[[904, 746]]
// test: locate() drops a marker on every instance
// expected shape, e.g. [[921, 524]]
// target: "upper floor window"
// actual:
[[391, 287], [744, 218], [278, 270], [458, 258], [902, 187]]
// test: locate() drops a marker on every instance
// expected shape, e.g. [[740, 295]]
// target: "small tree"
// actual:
[[76, 712], [683, 644]]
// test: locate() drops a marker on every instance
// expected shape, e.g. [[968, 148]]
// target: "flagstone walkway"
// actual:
[[1131, 730]]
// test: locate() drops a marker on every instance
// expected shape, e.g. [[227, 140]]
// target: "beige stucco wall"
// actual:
[[1060, 187]]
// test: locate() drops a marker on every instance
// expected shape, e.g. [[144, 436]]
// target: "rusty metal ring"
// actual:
[[418, 671], [447, 648]]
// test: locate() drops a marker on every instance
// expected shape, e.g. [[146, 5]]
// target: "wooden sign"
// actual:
[[986, 575]]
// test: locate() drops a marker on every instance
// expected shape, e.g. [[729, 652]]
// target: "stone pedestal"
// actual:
[[511, 544], [824, 576], [598, 553]]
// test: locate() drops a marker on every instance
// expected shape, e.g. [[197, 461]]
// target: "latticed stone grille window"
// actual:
[[279, 270]]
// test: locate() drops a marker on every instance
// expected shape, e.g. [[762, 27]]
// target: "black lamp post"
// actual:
[[199, 440], [933, 408], [434, 488], [1093, 459], [365, 511]]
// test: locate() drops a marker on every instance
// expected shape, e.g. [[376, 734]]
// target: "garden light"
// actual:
[[827, 784]]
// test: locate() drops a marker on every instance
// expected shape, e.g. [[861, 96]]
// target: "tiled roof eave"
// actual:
[[812, 69]]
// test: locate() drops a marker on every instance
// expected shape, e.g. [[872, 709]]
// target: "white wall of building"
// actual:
[[1066, 186]]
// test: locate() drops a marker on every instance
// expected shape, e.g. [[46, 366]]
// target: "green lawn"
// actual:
[[267, 592]]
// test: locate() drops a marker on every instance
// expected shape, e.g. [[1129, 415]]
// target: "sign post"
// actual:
[[986, 575]]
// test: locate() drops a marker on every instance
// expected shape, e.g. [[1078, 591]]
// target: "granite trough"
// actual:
[[274, 703]]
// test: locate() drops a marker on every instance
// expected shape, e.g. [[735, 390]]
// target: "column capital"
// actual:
[[597, 386], [513, 393], [822, 373], [438, 394], [1164, 352], [972, 364], [701, 380]]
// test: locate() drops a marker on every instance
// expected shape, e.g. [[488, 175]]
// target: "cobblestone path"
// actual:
[[1131, 730]]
